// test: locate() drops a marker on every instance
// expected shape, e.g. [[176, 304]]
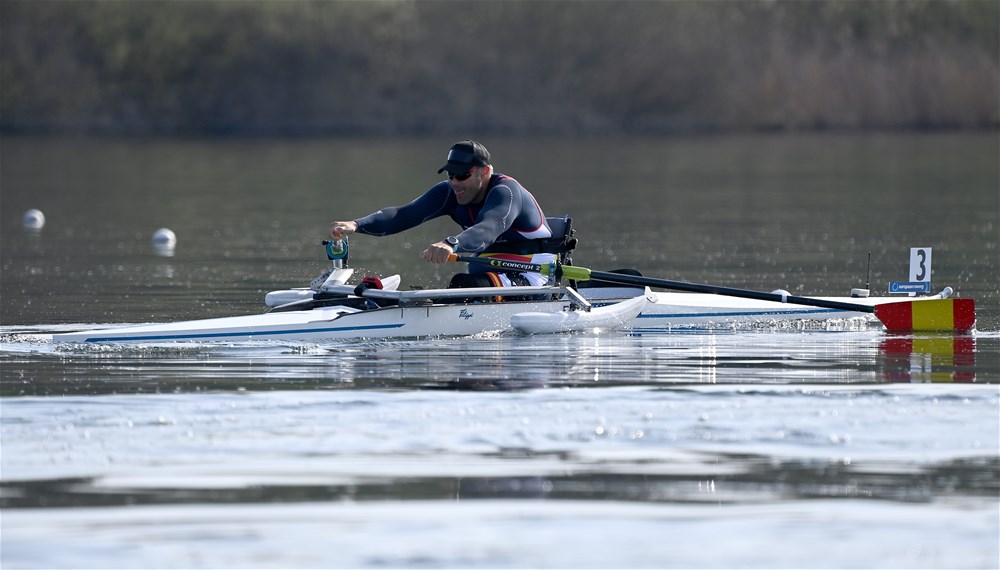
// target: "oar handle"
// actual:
[[566, 271], [505, 264]]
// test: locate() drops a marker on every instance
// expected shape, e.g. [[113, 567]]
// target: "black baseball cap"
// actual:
[[465, 155]]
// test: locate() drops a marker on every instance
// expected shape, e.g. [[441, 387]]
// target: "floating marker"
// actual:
[[33, 219], [164, 236], [164, 241]]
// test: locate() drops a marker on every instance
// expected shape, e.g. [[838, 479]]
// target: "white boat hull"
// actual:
[[322, 324], [419, 315], [331, 323], [673, 310]]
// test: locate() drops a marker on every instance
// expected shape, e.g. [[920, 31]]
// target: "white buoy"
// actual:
[[164, 236], [33, 219], [164, 241]]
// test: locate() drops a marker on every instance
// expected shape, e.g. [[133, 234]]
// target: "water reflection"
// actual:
[[165, 271], [34, 366], [926, 358], [164, 250], [715, 478]]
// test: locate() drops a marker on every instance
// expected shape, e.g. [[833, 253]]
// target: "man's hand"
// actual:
[[340, 229], [437, 252]]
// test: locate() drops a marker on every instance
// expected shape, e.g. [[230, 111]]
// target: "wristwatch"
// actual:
[[452, 241]]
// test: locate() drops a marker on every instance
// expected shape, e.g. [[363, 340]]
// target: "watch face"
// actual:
[[452, 241]]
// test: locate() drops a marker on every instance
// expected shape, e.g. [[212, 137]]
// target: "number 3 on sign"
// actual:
[[920, 264]]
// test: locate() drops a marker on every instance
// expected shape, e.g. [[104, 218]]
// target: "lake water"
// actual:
[[788, 446]]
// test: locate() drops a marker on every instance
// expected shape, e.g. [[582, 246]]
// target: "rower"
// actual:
[[499, 218]]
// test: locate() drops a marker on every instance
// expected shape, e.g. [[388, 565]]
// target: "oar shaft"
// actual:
[[583, 273], [728, 291]]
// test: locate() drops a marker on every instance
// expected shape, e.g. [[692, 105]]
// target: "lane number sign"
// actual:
[[920, 273], [920, 264]]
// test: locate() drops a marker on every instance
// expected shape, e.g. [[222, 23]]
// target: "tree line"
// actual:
[[511, 66]]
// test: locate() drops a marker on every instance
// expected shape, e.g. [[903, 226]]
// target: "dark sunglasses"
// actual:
[[459, 177]]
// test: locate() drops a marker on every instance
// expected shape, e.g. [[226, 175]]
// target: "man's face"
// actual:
[[471, 190]]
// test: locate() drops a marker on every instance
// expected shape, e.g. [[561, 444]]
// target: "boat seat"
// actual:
[[564, 235], [562, 242]]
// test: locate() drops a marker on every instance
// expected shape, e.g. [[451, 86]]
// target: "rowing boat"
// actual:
[[331, 309], [381, 313], [341, 314]]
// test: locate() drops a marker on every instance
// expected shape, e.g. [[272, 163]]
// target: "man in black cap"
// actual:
[[496, 213]]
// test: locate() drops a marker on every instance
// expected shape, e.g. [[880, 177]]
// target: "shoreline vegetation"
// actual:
[[520, 67]]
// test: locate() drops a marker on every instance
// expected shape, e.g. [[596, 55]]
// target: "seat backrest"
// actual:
[[564, 235], [562, 242]]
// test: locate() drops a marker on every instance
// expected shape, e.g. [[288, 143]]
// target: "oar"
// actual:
[[919, 315]]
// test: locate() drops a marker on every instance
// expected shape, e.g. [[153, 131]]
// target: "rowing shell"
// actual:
[[414, 314], [330, 309], [428, 313]]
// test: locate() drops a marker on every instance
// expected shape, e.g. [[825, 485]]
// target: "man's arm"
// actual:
[[395, 219]]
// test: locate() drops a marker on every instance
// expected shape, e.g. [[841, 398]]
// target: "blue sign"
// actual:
[[909, 286]]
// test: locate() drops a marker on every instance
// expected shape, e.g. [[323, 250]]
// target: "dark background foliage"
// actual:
[[556, 67]]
